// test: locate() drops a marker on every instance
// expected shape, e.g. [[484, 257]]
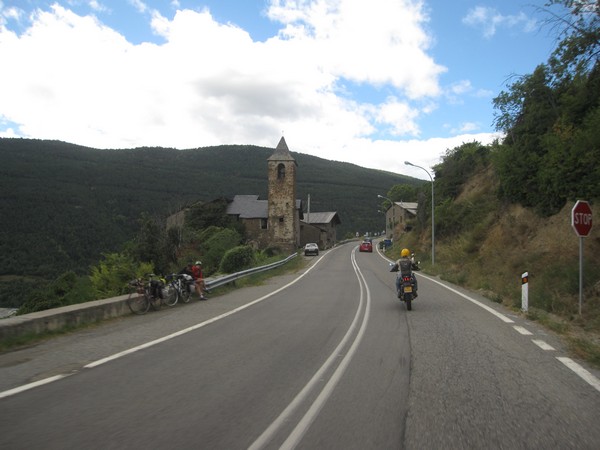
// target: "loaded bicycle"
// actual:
[[150, 292], [183, 285]]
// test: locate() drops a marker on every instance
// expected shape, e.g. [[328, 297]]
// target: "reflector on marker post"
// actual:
[[525, 291]]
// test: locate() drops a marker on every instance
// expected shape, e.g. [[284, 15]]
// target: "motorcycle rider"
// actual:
[[405, 266]]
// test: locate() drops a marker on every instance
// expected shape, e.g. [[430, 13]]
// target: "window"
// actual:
[[280, 172], [263, 224]]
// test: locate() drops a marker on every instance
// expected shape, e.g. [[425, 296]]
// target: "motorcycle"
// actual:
[[405, 289]]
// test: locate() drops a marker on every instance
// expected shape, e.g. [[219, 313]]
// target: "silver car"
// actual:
[[311, 249]]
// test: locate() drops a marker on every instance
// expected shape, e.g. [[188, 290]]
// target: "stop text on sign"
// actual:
[[582, 219]]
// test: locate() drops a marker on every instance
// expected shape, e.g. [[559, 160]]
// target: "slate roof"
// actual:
[[282, 153], [321, 217], [411, 207], [250, 207]]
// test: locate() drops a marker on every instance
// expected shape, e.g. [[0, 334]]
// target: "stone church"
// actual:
[[279, 220]]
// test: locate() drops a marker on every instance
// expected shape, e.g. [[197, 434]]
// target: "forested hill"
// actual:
[[64, 205]]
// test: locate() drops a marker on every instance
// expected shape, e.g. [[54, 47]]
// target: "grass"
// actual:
[[492, 263]]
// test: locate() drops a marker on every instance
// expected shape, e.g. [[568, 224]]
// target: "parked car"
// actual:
[[366, 246], [311, 249]]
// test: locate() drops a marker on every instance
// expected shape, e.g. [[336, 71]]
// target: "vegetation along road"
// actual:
[[324, 358]]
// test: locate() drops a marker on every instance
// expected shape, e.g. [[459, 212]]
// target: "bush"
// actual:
[[110, 277], [66, 290], [215, 247], [237, 259]]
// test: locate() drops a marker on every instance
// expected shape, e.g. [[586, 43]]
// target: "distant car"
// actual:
[[311, 249], [366, 246]]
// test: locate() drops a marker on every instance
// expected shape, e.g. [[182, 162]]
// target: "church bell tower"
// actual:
[[284, 220]]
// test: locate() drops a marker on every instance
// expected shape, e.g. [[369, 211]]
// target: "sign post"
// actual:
[[581, 221]]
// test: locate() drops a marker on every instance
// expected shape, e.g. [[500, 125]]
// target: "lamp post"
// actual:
[[393, 218], [432, 212]]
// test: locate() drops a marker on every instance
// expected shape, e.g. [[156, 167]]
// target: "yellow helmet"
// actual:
[[404, 253]]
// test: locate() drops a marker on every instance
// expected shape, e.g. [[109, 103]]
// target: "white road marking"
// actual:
[[98, 362], [302, 426], [543, 345], [501, 316], [583, 373], [524, 331], [28, 386]]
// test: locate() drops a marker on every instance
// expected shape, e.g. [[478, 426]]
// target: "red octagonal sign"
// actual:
[[581, 218]]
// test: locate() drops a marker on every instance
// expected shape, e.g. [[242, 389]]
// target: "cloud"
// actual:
[[488, 20], [207, 83]]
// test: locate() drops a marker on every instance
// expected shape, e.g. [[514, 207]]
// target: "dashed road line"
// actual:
[[522, 330], [543, 345], [579, 370]]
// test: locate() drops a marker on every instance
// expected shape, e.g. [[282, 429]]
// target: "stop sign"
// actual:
[[581, 218]]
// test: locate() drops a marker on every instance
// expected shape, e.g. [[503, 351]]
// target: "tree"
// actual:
[[579, 31], [456, 166], [403, 193]]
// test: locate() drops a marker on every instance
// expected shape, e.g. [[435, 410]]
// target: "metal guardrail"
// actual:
[[210, 284], [57, 318]]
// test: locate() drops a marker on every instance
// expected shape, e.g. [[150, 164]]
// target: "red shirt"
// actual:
[[197, 272]]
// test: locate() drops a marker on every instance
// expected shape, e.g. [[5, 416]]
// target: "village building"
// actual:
[[320, 228], [279, 220], [399, 218]]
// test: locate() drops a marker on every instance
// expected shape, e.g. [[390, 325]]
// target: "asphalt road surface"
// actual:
[[326, 358]]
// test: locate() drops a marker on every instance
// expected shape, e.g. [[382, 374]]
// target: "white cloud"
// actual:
[[139, 5], [466, 127], [488, 20], [209, 83], [400, 116]]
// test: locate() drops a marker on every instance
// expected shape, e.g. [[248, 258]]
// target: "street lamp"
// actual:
[[432, 212], [393, 218]]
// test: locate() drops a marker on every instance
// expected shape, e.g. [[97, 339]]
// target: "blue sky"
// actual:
[[374, 83]]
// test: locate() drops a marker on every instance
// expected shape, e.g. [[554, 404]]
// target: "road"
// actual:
[[326, 358]]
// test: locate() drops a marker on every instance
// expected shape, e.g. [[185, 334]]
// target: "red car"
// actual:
[[366, 246]]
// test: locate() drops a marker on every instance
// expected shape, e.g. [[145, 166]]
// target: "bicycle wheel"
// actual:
[[138, 302], [170, 293], [185, 294]]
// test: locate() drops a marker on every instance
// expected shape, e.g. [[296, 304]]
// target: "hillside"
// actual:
[[64, 205], [500, 241]]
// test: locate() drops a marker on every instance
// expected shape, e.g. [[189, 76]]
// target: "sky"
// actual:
[[374, 83]]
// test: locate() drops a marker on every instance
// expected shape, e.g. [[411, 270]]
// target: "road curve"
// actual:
[[326, 358]]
